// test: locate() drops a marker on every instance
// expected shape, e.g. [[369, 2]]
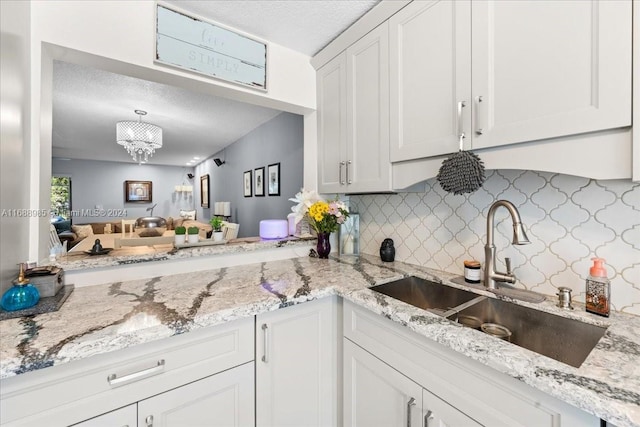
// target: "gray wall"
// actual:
[[14, 125], [278, 140], [96, 183]]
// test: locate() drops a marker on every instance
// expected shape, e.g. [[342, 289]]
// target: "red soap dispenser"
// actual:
[[598, 289]]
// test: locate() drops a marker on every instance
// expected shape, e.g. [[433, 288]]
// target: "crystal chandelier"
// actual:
[[140, 139]]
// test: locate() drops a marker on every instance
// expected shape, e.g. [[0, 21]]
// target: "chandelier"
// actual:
[[140, 139]]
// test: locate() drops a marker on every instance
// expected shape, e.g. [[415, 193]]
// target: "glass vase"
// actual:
[[324, 245], [20, 296]]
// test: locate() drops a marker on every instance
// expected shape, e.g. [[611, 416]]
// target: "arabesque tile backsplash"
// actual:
[[568, 219]]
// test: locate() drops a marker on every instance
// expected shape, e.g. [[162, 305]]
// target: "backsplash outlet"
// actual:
[[568, 219]]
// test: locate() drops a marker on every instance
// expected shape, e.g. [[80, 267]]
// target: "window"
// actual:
[[61, 197]]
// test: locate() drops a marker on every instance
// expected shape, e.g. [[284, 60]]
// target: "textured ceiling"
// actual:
[[87, 103], [305, 26]]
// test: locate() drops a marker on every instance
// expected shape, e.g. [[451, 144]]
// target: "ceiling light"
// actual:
[[140, 139]]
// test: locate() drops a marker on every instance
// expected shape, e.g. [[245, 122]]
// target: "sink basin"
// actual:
[[566, 340], [425, 294]]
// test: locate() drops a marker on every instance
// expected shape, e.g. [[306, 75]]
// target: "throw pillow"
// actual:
[[82, 231], [188, 214], [62, 226]]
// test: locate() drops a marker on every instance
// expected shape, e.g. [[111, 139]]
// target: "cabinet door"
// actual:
[[123, 417], [221, 400], [376, 394], [438, 413], [430, 75], [548, 69], [296, 365], [332, 125], [368, 166]]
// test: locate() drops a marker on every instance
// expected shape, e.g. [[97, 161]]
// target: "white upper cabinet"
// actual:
[[524, 71], [549, 69], [353, 118], [332, 124], [430, 78]]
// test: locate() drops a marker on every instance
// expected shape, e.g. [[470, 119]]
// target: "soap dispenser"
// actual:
[[598, 289]]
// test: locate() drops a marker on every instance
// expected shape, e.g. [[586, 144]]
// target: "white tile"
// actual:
[[568, 219]]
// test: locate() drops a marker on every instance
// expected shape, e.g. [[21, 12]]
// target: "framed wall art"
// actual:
[[138, 191], [273, 176], [197, 45], [259, 181], [247, 184], [204, 191]]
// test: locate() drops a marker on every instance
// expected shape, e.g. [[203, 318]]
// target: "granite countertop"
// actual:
[[141, 254], [104, 318]]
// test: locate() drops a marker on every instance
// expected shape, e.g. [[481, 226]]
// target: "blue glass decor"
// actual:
[[21, 295]]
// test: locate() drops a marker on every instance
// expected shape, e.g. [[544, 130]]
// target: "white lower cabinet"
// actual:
[[391, 364], [378, 395], [297, 365], [123, 417], [201, 378], [222, 400]]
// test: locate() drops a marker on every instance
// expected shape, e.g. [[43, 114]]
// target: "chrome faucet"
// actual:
[[491, 276]]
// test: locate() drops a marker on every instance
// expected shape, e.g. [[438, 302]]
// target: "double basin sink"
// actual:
[[566, 340]]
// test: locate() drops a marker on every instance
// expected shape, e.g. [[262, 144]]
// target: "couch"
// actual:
[[74, 234]]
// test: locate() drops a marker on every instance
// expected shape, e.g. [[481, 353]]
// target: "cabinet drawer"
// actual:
[[78, 390], [469, 386]]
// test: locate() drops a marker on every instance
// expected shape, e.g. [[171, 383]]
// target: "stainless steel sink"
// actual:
[[431, 296], [566, 340]]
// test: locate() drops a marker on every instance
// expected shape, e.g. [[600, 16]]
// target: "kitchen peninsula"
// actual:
[[99, 321], [84, 269]]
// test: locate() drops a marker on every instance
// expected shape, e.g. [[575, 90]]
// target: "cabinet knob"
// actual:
[[149, 421]]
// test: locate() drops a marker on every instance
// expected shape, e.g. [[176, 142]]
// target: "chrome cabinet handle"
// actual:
[[461, 136], [149, 421], [428, 416], [479, 130], [113, 379], [340, 173], [265, 332], [348, 179], [410, 403]]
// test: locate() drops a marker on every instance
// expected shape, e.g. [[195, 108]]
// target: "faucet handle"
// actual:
[[507, 261]]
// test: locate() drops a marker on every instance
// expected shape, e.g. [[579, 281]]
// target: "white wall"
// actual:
[[97, 183], [14, 125], [568, 220], [119, 36]]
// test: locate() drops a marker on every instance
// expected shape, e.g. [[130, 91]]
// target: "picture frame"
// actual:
[[258, 190], [247, 184], [273, 179], [204, 191], [138, 191]]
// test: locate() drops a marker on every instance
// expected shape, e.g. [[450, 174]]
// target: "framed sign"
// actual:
[[138, 191], [273, 175], [259, 179], [204, 191], [247, 184], [197, 45]]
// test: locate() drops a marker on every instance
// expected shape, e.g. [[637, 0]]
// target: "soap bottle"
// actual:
[[598, 289]]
